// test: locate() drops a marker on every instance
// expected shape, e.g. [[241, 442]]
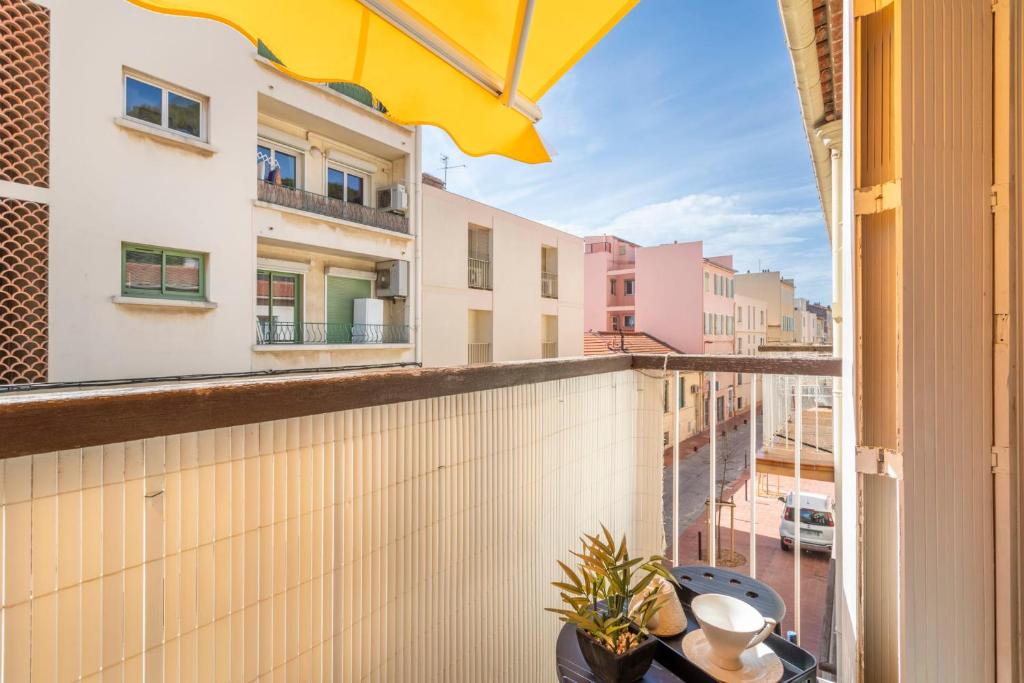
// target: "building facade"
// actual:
[[496, 286], [805, 322], [719, 332], [777, 293], [211, 220], [751, 331], [609, 267], [671, 292]]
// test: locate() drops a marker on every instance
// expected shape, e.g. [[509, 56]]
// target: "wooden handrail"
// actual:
[[45, 421]]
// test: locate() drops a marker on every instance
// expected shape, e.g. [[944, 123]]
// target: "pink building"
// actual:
[[671, 292]]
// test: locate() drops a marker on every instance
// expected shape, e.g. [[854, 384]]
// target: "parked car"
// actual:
[[817, 524]]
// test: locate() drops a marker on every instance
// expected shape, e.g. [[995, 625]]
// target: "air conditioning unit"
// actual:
[[393, 198], [393, 279]]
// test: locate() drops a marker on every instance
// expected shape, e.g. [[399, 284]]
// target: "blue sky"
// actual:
[[682, 124]]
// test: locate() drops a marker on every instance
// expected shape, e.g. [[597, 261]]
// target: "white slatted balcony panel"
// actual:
[[411, 541]]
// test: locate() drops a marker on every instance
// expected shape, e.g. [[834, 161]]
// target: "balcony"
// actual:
[[549, 350], [479, 352], [549, 285], [324, 481], [479, 273], [273, 332], [322, 205]]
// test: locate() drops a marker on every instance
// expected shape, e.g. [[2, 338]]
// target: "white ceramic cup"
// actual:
[[730, 626]]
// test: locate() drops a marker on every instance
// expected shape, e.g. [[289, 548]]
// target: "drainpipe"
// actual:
[[416, 188]]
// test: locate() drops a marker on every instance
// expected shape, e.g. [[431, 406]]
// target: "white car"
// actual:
[[817, 523]]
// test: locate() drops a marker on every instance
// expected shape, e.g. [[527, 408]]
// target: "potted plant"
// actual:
[[596, 596]]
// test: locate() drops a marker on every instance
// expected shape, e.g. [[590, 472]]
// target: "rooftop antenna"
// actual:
[[445, 166]]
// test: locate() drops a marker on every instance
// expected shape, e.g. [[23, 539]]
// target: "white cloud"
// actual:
[[790, 240]]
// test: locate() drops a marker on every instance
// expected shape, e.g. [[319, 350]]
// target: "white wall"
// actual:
[[111, 185], [407, 542], [516, 303]]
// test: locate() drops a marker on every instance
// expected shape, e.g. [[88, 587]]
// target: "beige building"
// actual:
[[777, 293], [751, 331], [496, 286], [206, 220], [804, 321]]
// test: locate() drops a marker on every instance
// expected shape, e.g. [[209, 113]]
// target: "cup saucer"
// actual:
[[760, 664]]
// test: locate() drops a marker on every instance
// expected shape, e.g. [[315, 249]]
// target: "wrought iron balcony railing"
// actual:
[[479, 273], [549, 349], [273, 332], [549, 285], [282, 195]]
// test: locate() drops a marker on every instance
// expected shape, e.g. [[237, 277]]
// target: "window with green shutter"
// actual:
[[162, 273]]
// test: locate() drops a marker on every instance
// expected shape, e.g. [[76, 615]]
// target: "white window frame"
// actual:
[[629, 287], [348, 170], [165, 88], [629, 322], [300, 159]]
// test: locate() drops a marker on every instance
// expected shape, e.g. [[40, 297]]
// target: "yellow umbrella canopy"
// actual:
[[475, 68]]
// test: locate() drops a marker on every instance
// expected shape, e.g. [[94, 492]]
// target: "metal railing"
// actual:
[[549, 350], [763, 473], [282, 195], [479, 273], [479, 352], [273, 332], [549, 285]]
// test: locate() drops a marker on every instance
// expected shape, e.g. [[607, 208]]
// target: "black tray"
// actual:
[[799, 665]]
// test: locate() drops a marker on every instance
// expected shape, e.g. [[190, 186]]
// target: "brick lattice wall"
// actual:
[[24, 93], [24, 273]]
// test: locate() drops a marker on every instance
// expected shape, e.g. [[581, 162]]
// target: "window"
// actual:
[[346, 185], [278, 307], [622, 250], [630, 287], [707, 281], [164, 106], [277, 165], [615, 322], [739, 345], [739, 314], [162, 273], [628, 321], [682, 392], [762, 317], [664, 397], [613, 286]]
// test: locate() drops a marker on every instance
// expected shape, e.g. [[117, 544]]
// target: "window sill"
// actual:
[[165, 136], [272, 348], [187, 304]]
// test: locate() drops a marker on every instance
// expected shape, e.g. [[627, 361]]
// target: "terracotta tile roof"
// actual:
[[606, 343]]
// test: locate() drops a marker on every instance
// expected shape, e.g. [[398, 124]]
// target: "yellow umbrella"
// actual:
[[475, 68]]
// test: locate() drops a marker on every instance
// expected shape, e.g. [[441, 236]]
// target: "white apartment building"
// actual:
[[496, 286], [206, 213]]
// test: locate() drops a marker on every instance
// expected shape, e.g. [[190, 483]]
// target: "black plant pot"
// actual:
[[609, 667]]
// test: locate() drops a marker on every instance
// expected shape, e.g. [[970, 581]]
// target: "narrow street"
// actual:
[[733, 450]]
